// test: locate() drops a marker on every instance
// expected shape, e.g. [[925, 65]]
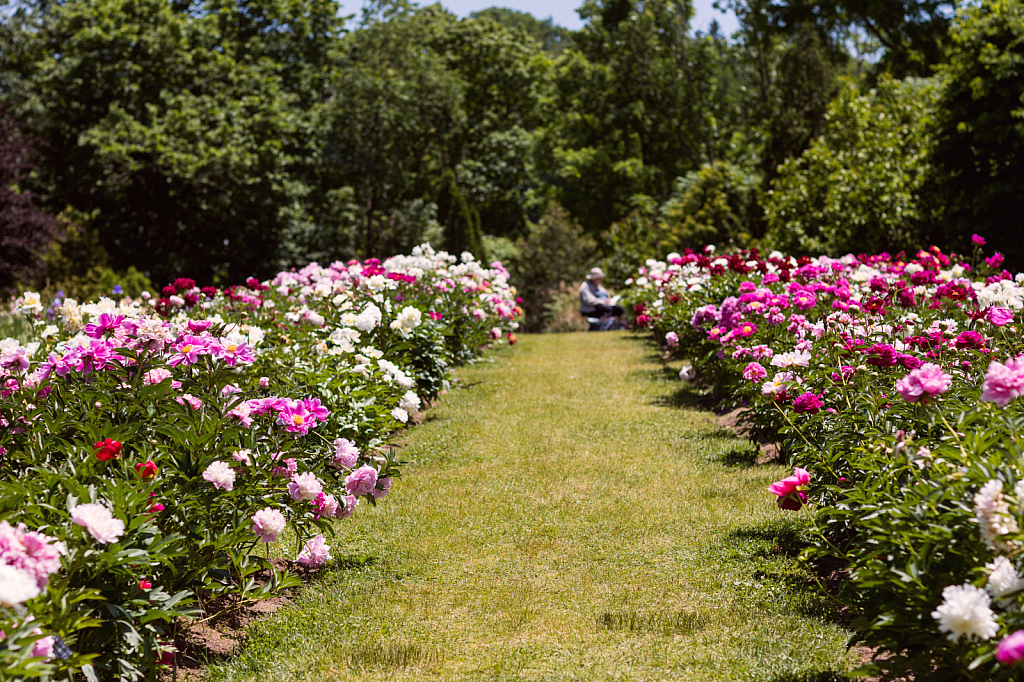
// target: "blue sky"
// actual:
[[564, 11]]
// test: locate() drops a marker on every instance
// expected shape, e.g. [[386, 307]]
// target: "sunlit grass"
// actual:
[[566, 517]]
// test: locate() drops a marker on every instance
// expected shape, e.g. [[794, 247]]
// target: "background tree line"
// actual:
[[224, 138]]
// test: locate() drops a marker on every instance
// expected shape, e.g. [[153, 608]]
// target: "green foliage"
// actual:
[[858, 188], [637, 102], [978, 170], [715, 205], [555, 252], [462, 221], [78, 265], [554, 39]]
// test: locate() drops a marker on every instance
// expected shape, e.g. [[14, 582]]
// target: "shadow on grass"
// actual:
[[740, 458], [817, 676]]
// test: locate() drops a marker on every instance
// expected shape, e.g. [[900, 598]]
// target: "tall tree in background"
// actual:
[[25, 230], [979, 170], [173, 123], [637, 103]]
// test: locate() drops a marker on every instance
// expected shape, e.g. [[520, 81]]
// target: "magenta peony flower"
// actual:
[[315, 554], [754, 372], [977, 239], [29, 551], [1011, 650], [361, 481], [267, 523], [1003, 383], [999, 316], [808, 402], [924, 383], [790, 490]]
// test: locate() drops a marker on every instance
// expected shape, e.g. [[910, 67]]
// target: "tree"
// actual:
[[861, 187], [553, 39], [638, 102], [25, 229], [979, 171], [164, 124]]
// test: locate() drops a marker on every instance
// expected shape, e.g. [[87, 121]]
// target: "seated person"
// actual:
[[595, 301]]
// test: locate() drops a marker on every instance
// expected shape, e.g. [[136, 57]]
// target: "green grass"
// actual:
[[565, 516]]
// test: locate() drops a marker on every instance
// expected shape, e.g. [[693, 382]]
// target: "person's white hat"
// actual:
[[596, 273]]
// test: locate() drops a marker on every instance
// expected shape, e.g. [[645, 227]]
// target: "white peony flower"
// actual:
[[992, 513], [965, 612], [400, 414], [687, 373], [410, 402], [16, 586], [1003, 579], [369, 318], [221, 475], [98, 520], [407, 320]]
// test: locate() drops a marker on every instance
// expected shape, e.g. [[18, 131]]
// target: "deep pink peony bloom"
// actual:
[[808, 402], [977, 239], [361, 481], [999, 316], [295, 418], [924, 383], [790, 490], [1003, 383], [754, 372], [1011, 650]]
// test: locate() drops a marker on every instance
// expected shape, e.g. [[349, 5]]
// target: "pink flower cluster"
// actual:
[[924, 383], [1003, 382], [29, 551]]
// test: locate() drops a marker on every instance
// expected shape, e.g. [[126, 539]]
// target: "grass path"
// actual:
[[562, 518]]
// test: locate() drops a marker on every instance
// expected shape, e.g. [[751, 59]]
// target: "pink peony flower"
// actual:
[[977, 239], [315, 554], [790, 490], [808, 402], [1011, 650], [267, 523], [754, 372], [384, 488], [264, 382], [1003, 383], [999, 316], [361, 481], [924, 383], [305, 486], [295, 418], [346, 506], [99, 521], [325, 506], [672, 339], [221, 475], [194, 402], [29, 551], [346, 454]]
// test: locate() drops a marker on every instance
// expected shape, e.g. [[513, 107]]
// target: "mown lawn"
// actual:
[[565, 516]]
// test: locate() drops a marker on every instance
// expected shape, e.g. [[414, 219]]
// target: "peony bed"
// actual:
[[150, 447], [892, 382]]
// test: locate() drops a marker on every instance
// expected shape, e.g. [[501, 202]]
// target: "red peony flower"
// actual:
[[147, 470], [107, 449]]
